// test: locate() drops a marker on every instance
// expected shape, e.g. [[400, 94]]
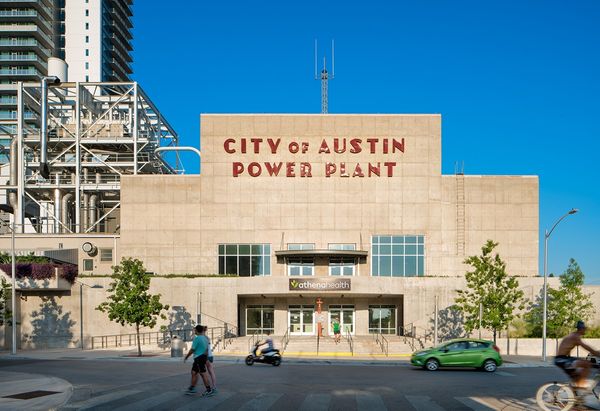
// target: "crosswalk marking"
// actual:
[[205, 404], [423, 403], [315, 402], [102, 399], [474, 404], [369, 402], [504, 374], [365, 401], [261, 402], [149, 402]]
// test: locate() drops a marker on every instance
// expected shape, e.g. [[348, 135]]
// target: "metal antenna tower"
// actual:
[[325, 77]]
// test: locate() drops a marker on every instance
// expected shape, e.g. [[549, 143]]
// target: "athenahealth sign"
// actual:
[[320, 284]]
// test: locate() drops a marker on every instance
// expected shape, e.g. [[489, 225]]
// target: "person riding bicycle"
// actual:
[[577, 369]]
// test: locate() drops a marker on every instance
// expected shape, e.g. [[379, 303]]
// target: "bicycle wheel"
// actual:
[[554, 396]]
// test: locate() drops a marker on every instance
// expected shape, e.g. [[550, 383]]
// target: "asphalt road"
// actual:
[[159, 385]]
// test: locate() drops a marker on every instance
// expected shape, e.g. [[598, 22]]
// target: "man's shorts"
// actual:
[[565, 362], [211, 359], [199, 365]]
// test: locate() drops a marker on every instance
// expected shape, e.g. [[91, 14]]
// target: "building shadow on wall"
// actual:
[[51, 327], [450, 324]]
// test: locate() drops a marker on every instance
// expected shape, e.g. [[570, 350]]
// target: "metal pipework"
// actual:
[[57, 204], [14, 170], [92, 212], [65, 208], [44, 169]]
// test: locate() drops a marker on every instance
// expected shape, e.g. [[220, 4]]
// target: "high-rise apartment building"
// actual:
[[92, 36], [96, 38]]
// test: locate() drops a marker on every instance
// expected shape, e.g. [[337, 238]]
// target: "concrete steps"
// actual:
[[307, 346]]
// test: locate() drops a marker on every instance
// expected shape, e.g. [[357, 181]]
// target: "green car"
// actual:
[[459, 353]]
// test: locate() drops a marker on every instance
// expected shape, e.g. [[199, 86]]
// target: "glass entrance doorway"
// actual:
[[344, 314], [301, 319]]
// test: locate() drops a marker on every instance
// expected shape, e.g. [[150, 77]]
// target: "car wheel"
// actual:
[[432, 364], [489, 366], [249, 360]]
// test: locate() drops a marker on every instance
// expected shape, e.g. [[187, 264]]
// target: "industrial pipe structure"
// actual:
[[85, 136]]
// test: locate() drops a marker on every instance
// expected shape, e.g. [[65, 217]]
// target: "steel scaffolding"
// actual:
[[96, 132]]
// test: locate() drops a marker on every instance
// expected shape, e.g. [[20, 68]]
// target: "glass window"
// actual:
[[301, 266], [106, 254], [342, 246], [87, 52], [87, 12], [87, 26], [301, 246], [260, 319], [87, 65], [343, 266], [87, 39], [245, 260], [382, 319], [398, 256], [88, 264]]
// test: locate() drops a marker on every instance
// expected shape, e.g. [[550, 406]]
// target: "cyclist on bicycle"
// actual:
[[577, 369]]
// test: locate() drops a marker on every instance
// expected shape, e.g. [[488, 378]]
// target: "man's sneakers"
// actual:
[[191, 390], [209, 393]]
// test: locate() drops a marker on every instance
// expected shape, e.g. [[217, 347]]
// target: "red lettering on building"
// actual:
[[294, 147], [358, 171], [329, 169], [227, 147], [390, 166], [373, 143], [304, 147], [374, 169], [238, 168], [256, 142], [324, 147], [336, 145], [398, 145], [273, 169], [305, 170], [355, 143], [273, 144], [289, 169], [254, 169]]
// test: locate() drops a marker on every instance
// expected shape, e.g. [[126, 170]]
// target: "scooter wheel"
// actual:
[[277, 361], [249, 360]]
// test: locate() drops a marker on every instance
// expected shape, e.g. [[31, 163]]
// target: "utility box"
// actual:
[[176, 347]]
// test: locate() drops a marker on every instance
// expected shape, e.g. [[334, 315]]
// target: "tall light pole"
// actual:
[[546, 236], [13, 297]]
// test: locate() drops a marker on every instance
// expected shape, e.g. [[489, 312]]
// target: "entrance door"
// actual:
[[301, 319], [345, 315]]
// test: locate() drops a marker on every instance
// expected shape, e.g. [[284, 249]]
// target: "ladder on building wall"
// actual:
[[460, 211]]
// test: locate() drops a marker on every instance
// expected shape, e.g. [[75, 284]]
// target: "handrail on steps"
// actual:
[[350, 341]]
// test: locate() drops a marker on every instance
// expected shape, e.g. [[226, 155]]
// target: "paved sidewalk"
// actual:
[[154, 354], [32, 391]]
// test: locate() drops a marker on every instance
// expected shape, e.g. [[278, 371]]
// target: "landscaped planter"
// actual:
[[42, 276]]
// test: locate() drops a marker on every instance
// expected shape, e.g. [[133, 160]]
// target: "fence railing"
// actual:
[[350, 341], [409, 333], [219, 336], [285, 340], [383, 343]]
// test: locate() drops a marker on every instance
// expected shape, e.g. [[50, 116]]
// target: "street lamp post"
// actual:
[[13, 297], [81, 309], [546, 236]]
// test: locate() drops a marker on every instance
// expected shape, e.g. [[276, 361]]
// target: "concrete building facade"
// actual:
[[348, 210]]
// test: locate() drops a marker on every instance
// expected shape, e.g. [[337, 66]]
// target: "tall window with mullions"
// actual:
[[398, 256], [245, 260]]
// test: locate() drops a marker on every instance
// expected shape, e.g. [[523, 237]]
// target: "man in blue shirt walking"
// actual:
[[200, 351]]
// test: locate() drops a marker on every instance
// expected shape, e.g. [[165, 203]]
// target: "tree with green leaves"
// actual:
[[565, 305], [490, 287], [5, 294], [129, 301]]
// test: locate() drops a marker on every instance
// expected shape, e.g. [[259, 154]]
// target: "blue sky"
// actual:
[[517, 83]]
